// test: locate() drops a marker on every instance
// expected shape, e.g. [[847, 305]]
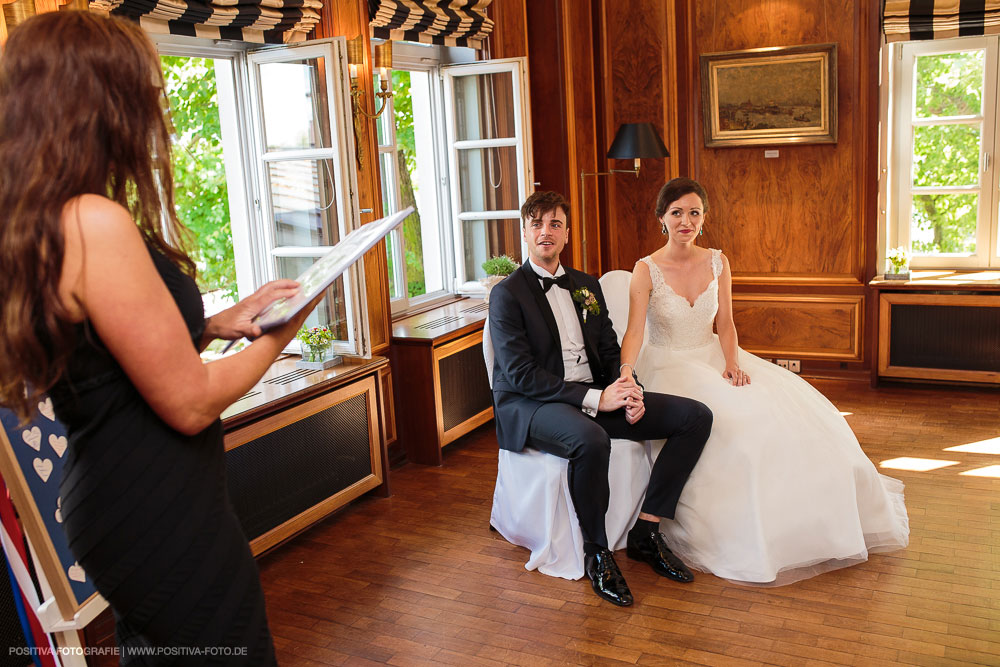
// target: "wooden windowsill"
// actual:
[[942, 280], [284, 384]]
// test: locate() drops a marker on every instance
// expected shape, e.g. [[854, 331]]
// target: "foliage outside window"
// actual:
[[201, 192]]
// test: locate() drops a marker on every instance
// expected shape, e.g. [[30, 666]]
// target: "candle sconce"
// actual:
[[383, 65]]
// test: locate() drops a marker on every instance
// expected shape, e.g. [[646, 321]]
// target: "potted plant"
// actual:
[[899, 262], [497, 268], [315, 344]]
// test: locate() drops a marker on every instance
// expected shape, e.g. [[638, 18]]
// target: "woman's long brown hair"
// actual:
[[80, 113]]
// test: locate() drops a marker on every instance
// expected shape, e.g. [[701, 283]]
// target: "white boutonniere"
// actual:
[[588, 302]]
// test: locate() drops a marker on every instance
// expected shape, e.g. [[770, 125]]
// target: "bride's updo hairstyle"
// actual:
[[81, 112], [677, 188]]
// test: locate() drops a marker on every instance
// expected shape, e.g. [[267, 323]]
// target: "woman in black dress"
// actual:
[[99, 307]]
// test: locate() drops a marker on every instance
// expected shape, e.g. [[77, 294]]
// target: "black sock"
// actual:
[[644, 527], [591, 548]]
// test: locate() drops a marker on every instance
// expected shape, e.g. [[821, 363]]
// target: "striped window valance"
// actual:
[[904, 20], [262, 21], [444, 22]]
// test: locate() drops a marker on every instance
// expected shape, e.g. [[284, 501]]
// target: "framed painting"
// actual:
[[777, 95]]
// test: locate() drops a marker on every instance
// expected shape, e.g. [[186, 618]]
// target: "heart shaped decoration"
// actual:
[[59, 509], [76, 573], [33, 436], [45, 407], [43, 467], [58, 444]]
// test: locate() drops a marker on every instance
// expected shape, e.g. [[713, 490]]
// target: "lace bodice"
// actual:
[[673, 321]]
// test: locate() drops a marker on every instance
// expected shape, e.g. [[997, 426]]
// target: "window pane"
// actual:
[[483, 106], [946, 155], [949, 84], [200, 189], [392, 250], [488, 179], [486, 238], [302, 202], [295, 104], [332, 311], [944, 224]]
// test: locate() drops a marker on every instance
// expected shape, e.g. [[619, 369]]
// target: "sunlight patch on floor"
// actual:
[[988, 471], [915, 464], [991, 446]]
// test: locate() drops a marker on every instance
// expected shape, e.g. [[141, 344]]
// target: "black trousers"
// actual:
[[565, 431]]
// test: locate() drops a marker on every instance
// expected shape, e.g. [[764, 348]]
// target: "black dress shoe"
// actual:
[[606, 578], [651, 548]]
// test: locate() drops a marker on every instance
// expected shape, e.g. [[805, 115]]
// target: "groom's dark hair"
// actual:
[[540, 203]]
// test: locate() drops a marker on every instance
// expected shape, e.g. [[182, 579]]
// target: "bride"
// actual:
[[782, 491]]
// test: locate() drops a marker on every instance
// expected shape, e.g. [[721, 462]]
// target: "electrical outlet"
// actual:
[[782, 363], [793, 365]]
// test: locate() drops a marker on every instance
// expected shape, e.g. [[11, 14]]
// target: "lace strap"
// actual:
[[716, 262], [654, 271]]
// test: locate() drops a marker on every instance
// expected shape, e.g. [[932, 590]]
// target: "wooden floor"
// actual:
[[419, 579]]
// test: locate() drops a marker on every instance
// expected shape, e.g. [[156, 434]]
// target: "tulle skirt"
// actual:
[[782, 491]]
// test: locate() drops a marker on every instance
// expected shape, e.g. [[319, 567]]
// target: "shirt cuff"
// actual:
[[591, 402]]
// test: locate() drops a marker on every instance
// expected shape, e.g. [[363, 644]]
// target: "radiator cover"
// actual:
[[284, 473]]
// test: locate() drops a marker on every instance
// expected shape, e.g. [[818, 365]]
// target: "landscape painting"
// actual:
[[770, 96]]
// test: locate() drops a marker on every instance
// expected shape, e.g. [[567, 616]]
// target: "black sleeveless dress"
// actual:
[[148, 516]]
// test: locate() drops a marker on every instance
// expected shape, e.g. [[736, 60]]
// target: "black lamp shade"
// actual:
[[637, 140]]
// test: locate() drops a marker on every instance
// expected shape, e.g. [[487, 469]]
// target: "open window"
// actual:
[[453, 142], [488, 134], [262, 161]]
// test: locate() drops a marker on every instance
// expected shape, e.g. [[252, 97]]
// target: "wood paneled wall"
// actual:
[[349, 18], [799, 230]]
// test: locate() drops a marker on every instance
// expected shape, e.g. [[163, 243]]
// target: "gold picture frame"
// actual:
[[775, 95]]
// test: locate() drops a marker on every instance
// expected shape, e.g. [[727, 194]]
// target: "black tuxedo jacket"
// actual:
[[528, 367]]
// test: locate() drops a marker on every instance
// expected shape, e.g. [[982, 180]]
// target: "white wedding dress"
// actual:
[[782, 490]]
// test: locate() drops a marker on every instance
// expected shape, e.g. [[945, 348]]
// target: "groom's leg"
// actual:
[[686, 424], [564, 431]]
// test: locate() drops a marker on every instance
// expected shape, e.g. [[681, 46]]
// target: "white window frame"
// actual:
[[246, 156], [414, 57], [521, 141], [897, 189]]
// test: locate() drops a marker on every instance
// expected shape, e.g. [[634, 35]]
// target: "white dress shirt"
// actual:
[[576, 368]]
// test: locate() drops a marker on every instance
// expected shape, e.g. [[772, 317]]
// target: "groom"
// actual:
[[556, 388]]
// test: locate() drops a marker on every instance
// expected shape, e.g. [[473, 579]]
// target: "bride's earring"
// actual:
[[701, 232], [663, 229]]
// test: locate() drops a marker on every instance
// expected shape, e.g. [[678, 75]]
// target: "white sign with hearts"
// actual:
[[33, 436], [45, 407], [43, 467], [76, 573], [58, 444]]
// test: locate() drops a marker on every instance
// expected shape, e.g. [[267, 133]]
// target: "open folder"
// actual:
[[328, 268]]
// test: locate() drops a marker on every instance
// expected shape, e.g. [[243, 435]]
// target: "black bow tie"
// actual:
[[561, 281]]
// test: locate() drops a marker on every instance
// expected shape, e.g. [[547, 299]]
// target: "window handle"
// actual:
[[986, 162]]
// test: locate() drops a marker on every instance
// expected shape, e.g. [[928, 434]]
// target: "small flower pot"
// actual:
[[488, 282], [897, 276]]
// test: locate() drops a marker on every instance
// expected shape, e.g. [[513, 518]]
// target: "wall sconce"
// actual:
[[633, 141], [383, 64]]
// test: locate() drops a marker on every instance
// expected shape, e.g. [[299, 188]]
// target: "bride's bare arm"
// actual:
[[726, 328], [638, 302], [109, 278]]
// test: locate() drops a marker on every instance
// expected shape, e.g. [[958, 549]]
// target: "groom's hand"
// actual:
[[623, 393]]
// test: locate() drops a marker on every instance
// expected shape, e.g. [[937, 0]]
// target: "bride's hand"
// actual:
[[735, 376]]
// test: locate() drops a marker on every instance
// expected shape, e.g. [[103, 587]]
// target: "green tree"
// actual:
[[406, 162], [201, 193], [947, 155]]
